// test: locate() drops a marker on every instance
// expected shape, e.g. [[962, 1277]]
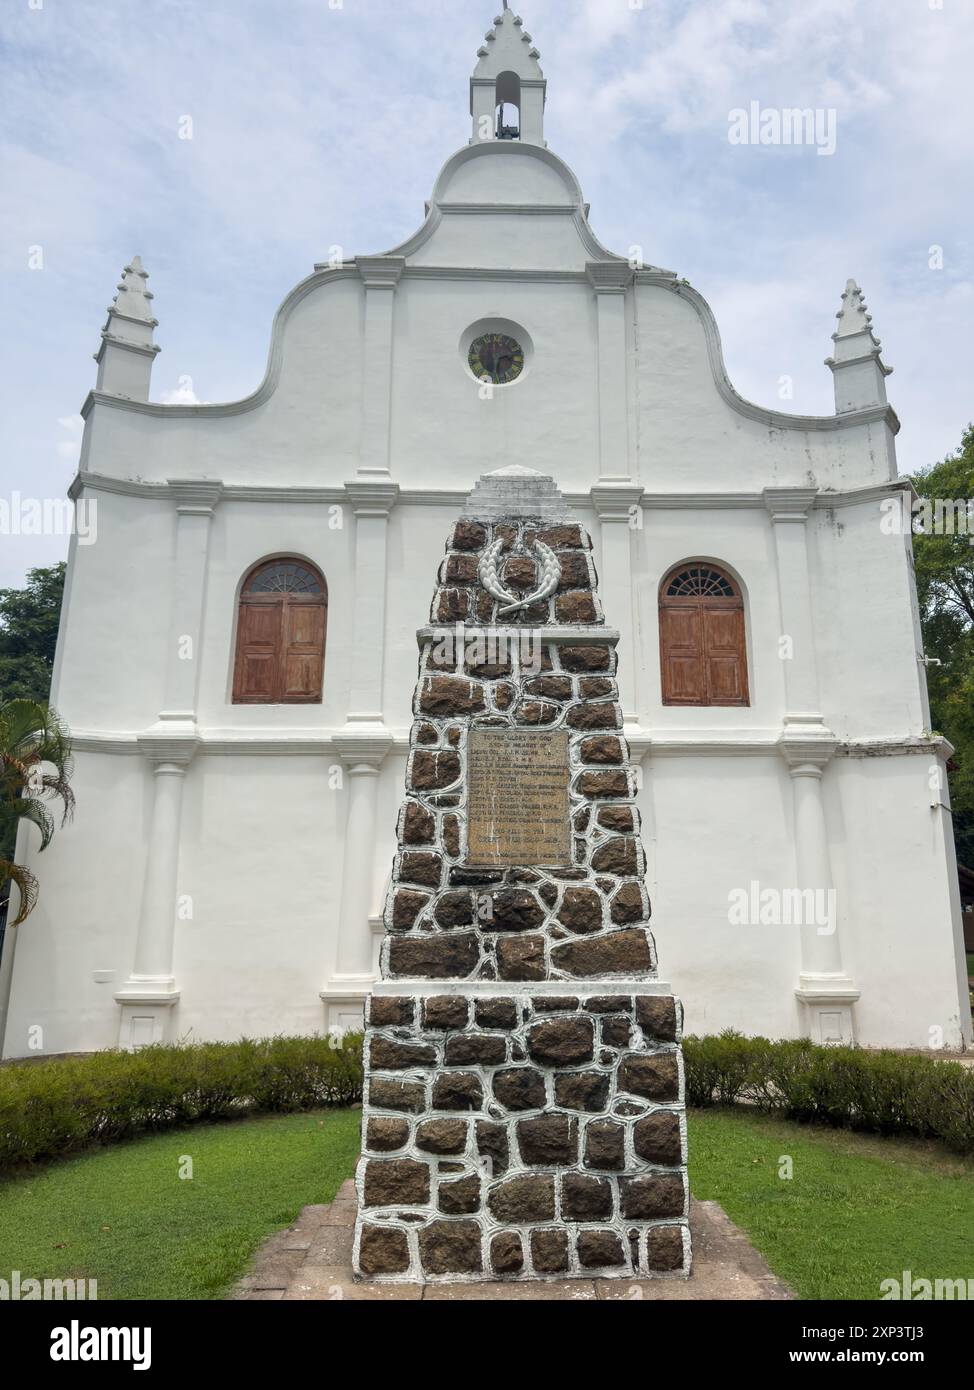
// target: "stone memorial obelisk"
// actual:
[[523, 1114]]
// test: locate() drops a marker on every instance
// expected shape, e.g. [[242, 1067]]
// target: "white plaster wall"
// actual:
[[265, 903], [872, 683], [894, 900], [444, 433], [91, 881], [719, 823], [111, 648]]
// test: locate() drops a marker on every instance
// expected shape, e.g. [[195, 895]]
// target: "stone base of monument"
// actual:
[[518, 1131], [311, 1261]]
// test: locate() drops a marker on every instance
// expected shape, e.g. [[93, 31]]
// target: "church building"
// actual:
[[238, 654]]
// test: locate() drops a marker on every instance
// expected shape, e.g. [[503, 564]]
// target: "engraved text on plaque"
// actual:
[[517, 797]]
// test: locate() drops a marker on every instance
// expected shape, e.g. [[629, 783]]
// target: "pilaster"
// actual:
[[196, 500], [615, 505], [611, 280], [149, 994], [825, 992], [362, 746], [380, 275], [362, 754]]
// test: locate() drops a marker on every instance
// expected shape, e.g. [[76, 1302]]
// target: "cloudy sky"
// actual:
[[323, 122]]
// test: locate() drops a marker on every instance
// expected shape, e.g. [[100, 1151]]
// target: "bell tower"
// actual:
[[507, 90]]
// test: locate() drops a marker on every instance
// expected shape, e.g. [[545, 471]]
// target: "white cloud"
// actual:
[[183, 394]]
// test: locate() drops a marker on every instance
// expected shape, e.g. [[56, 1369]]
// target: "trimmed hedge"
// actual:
[[52, 1108], [49, 1109], [882, 1092]]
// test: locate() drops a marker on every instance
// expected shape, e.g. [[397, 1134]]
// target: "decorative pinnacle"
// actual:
[[856, 342], [133, 299], [853, 317]]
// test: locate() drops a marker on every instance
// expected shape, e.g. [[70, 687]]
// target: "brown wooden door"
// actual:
[[682, 655], [258, 653], [703, 656], [280, 655], [303, 650]]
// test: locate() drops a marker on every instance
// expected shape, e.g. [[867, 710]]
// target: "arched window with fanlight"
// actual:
[[703, 655], [281, 623]]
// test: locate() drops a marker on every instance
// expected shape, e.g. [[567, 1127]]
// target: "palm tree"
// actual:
[[35, 765]]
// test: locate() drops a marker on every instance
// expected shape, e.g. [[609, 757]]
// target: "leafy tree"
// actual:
[[28, 634], [945, 587], [35, 767]]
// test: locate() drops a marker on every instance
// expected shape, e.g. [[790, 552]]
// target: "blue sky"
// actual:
[[318, 123]]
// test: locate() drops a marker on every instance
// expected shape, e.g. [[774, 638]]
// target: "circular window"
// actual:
[[496, 357]]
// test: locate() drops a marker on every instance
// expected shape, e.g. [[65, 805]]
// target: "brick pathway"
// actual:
[[313, 1260]]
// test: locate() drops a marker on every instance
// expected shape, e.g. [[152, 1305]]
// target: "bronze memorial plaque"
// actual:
[[517, 797]]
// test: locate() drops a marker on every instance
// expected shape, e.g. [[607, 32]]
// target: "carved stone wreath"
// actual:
[[548, 579]]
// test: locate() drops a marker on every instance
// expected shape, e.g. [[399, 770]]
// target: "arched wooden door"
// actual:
[[281, 623], [703, 656]]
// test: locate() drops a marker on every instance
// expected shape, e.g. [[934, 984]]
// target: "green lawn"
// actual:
[[856, 1211], [123, 1215]]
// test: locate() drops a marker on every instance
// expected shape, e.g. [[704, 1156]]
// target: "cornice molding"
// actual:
[[616, 501], [455, 497], [613, 277], [176, 746], [371, 498], [328, 741], [144, 349], [195, 496], [507, 209], [786, 504], [836, 364], [380, 272], [360, 746]]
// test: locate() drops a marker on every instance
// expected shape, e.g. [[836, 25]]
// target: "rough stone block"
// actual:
[[383, 1250], [396, 1181], [549, 1250], [457, 1091], [451, 1247], [522, 1200], [651, 1197], [561, 1041], [442, 1136], [547, 1140]]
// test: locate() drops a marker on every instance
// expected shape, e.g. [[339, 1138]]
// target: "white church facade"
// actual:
[[238, 653]]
